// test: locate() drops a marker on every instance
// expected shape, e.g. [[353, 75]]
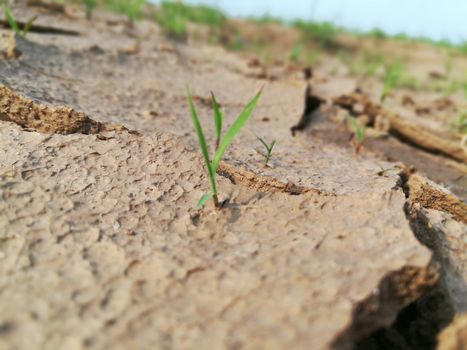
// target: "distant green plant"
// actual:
[[358, 130], [377, 34], [172, 25], [460, 123], [322, 32], [269, 147], [13, 24], [371, 63], [451, 87], [174, 16], [311, 58], [131, 8], [221, 146], [391, 77], [237, 43], [90, 6], [295, 53], [266, 19]]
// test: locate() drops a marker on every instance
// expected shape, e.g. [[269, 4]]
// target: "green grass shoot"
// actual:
[[28, 26], [358, 133], [173, 18], [10, 19], [218, 119], [392, 76], [90, 6], [131, 8], [269, 147], [460, 123], [221, 143], [13, 24], [295, 53]]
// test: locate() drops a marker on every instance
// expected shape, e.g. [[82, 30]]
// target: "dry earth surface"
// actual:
[[101, 244]]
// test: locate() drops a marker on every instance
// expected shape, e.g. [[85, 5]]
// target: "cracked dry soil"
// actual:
[[101, 245]]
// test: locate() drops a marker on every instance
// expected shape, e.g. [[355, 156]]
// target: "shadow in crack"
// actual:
[[416, 326], [374, 318], [312, 104]]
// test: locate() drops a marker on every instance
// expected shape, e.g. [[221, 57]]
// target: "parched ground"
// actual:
[[101, 244]]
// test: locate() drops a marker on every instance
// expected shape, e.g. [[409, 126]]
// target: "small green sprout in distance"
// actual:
[[13, 24], [131, 8], [460, 123], [90, 6], [358, 134], [391, 78], [221, 144], [269, 148], [295, 53]]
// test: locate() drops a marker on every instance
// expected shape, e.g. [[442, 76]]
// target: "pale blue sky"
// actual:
[[445, 19]]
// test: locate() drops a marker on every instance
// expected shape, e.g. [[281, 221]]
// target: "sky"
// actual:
[[446, 19]]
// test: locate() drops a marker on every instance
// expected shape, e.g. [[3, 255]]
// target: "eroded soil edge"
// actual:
[[50, 120]]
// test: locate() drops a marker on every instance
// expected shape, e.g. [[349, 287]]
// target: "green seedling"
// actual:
[[10, 19], [391, 78], [212, 165], [358, 134], [295, 53], [269, 148], [324, 33], [13, 24], [173, 18], [131, 8], [90, 6], [460, 123], [218, 120]]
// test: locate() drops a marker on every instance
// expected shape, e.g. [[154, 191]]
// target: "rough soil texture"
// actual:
[[101, 245]]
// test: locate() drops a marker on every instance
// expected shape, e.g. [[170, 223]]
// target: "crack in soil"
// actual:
[[405, 131], [42, 29], [413, 305], [395, 292], [261, 183], [38, 117]]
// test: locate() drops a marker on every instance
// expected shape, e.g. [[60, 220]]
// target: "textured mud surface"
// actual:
[[101, 245]]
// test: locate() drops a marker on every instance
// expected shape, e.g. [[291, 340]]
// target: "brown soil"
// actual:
[[101, 244]]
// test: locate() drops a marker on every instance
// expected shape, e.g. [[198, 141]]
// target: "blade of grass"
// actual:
[[263, 142], [202, 201], [233, 130], [218, 119], [271, 146], [358, 129], [28, 25], [203, 146], [11, 21]]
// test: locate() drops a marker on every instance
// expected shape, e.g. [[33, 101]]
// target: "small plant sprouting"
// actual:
[[391, 78], [90, 6], [218, 119], [13, 24], [131, 8], [460, 123], [221, 145], [269, 148], [295, 53], [358, 134]]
